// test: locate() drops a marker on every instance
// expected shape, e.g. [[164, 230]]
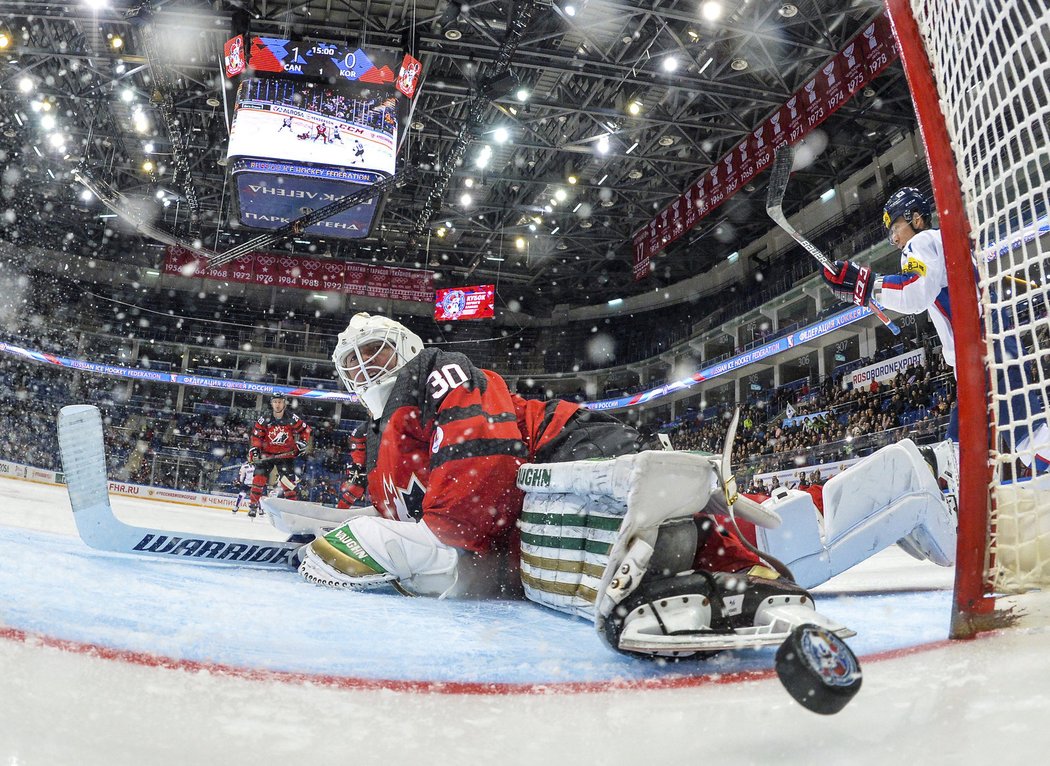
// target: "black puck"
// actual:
[[818, 669]]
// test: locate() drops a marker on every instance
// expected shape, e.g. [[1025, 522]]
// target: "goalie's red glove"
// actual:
[[850, 282]]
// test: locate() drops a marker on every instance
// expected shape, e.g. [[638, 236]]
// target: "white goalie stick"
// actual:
[[778, 181], [84, 463]]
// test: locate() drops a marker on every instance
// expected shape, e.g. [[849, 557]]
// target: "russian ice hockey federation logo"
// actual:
[[827, 655], [453, 304]]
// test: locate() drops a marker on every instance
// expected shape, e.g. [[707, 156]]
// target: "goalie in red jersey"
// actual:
[[441, 460]]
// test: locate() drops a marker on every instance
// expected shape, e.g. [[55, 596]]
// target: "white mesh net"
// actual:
[[991, 63]]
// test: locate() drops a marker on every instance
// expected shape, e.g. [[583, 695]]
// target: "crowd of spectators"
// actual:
[[147, 442], [827, 423]]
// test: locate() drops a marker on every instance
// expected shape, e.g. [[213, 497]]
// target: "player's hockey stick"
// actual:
[[778, 181], [84, 463]]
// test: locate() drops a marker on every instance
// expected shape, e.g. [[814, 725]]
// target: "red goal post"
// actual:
[[978, 73]]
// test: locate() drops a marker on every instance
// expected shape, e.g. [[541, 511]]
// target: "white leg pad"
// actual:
[[632, 495], [565, 544], [889, 497]]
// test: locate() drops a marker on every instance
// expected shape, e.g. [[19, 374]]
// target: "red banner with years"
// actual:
[[867, 54]]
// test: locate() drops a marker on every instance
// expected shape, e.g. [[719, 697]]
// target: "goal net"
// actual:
[[979, 73]]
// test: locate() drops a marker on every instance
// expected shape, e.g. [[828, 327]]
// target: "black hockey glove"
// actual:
[[852, 283]]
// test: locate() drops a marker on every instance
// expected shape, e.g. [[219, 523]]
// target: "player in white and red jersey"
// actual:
[[921, 286]]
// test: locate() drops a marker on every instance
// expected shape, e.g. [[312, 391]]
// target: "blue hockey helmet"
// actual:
[[903, 203]]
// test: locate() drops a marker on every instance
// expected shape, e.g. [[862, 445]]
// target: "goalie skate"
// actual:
[[697, 613]]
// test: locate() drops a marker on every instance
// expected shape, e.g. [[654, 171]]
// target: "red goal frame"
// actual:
[[971, 600]]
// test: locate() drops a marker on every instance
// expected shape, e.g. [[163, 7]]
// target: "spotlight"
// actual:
[[522, 94], [634, 108]]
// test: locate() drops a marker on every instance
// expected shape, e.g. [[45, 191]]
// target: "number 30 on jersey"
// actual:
[[444, 380]]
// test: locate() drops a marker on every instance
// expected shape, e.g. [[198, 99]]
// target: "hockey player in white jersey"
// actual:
[[921, 286], [244, 483]]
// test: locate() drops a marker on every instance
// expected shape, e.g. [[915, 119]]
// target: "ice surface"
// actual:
[[957, 703]]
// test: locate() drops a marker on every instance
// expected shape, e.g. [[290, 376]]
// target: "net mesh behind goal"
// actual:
[[990, 65]]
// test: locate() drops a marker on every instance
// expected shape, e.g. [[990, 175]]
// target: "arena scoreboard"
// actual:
[[320, 60]]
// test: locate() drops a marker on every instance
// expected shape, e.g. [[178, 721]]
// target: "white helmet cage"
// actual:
[[371, 350]]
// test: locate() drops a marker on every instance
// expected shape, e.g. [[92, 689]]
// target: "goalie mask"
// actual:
[[369, 354]]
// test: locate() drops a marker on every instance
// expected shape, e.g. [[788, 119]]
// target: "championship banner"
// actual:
[[867, 54], [863, 377], [455, 303], [305, 273]]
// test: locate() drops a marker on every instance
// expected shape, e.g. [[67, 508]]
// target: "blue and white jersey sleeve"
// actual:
[[921, 286], [923, 280]]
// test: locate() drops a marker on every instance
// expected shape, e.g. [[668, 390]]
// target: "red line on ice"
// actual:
[[145, 659]]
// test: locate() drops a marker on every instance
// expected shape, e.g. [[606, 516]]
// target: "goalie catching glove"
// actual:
[[850, 282]]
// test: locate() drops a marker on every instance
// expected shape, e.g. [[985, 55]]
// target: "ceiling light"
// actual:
[[127, 95], [520, 243], [147, 166], [711, 10], [532, 227], [212, 101], [465, 199], [469, 183], [416, 125], [5, 39], [117, 42], [635, 174], [603, 145], [501, 135], [453, 33], [634, 108], [670, 64], [148, 147], [787, 10], [160, 194], [827, 196], [666, 140], [570, 10], [693, 35], [522, 94], [572, 180], [586, 223], [738, 65], [47, 122], [560, 195], [606, 203], [441, 231], [57, 140], [25, 85]]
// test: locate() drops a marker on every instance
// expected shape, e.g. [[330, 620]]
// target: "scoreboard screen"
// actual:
[[321, 60], [314, 121]]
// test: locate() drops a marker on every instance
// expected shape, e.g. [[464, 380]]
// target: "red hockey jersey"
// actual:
[[448, 447], [276, 436]]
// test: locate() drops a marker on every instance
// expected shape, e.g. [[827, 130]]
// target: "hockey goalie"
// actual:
[[478, 492]]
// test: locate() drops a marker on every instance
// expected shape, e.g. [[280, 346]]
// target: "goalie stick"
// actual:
[[84, 463], [778, 181]]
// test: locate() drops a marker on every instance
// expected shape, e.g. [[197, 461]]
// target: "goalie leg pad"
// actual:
[[890, 497]]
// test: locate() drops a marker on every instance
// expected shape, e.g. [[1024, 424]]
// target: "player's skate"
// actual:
[[702, 613], [253, 510]]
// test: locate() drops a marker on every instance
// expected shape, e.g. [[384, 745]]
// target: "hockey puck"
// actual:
[[818, 669]]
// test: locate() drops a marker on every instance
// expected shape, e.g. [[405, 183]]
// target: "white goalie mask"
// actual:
[[369, 354]]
